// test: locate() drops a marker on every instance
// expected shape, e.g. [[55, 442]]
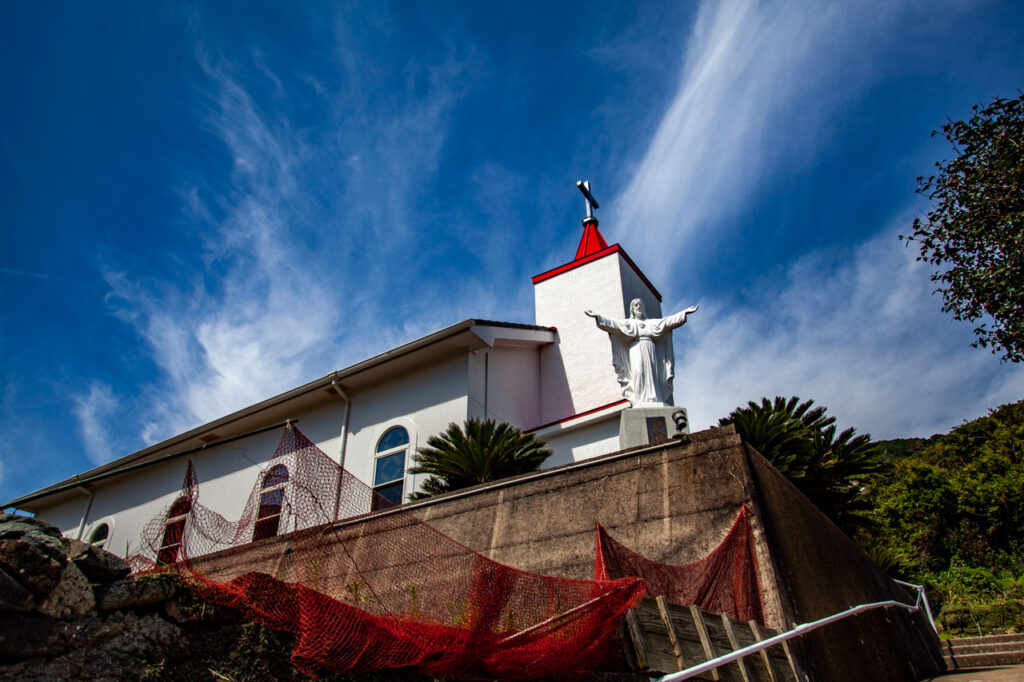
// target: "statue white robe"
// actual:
[[642, 356]]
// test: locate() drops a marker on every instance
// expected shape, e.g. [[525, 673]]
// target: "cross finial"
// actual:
[[584, 186]]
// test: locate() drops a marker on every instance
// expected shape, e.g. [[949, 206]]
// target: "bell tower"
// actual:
[[577, 374]]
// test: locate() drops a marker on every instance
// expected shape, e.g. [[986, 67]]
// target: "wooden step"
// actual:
[[666, 638]]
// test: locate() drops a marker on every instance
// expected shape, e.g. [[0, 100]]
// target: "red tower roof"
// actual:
[[592, 241]]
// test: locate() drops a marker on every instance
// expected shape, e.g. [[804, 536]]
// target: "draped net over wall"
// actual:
[[725, 581], [385, 592]]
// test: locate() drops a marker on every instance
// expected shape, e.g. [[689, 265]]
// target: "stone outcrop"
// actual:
[[70, 611], [50, 625], [131, 593]]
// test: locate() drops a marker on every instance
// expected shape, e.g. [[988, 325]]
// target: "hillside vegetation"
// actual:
[[949, 514], [946, 512]]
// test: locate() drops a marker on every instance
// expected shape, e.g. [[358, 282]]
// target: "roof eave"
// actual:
[[317, 384]]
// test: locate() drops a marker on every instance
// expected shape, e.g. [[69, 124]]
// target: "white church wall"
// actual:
[[66, 513], [227, 475], [594, 440], [322, 424], [583, 437], [581, 360], [127, 503], [423, 401], [504, 385]]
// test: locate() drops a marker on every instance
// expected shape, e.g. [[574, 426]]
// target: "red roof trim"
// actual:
[[577, 416], [614, 248]]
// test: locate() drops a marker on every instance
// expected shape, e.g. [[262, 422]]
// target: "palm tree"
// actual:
[[801, 442], [482, 451]]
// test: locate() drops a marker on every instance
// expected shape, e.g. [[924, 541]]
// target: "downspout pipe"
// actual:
[[85, 514], [344, 440], [344, 422]]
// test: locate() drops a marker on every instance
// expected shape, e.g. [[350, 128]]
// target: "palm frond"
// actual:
[[476, 452]]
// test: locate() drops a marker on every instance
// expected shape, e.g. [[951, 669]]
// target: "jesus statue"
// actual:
[[642, 353]]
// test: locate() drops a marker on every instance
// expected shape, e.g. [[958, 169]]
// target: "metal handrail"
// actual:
[[798, 631], [923, 598]]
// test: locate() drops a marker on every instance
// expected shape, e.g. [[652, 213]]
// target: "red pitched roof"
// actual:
[[592, 241]]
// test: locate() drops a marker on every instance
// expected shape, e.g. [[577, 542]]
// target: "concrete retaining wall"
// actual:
[[674, 503]]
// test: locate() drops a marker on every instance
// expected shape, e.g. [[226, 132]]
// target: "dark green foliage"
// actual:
[[894, 450], [974, 232], [800, 440], [955, 509], [946, 512], [482, 451], [916, 507], [893, 561]]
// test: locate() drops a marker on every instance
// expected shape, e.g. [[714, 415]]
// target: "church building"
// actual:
[[700, 522], [554, 378]]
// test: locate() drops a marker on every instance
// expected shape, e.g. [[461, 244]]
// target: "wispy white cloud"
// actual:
[[244, 331], [854, 328], [304, 243], [759, 82], [94, 411], [317, 253], [859, 332]]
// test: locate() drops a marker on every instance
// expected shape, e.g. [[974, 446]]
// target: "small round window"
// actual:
[[100, 535]]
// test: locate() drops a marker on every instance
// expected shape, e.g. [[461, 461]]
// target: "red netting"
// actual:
[[383, 591], [725, 581]]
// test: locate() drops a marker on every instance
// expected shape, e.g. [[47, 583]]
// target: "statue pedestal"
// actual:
[[650, 424]]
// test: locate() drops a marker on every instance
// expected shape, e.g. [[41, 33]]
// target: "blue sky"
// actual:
[[207, 204]]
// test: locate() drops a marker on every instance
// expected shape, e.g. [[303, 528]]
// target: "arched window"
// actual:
[[174, 531], [389, 468], [268, 516], [100, 535]]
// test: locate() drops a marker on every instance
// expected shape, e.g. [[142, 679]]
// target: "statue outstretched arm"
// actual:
[[679, 319], [607, 324]]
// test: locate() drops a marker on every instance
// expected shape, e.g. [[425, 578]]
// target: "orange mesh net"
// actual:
[[725, 581], [365, 592]]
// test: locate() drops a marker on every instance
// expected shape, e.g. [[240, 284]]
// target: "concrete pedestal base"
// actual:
[[645, 425]]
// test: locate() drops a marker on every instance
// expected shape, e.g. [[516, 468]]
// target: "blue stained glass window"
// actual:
[[393, 438], [389, 468]]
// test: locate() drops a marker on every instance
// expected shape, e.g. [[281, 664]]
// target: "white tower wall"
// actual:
[[577, 373]]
